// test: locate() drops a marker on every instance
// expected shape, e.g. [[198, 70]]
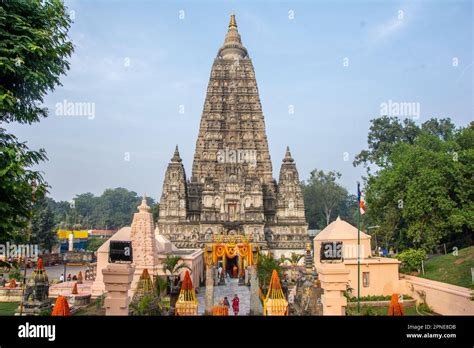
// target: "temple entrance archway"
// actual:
[[234, 253], [230, 264]]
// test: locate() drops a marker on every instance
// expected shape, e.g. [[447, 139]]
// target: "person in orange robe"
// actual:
[[234, 271], [396, 307]]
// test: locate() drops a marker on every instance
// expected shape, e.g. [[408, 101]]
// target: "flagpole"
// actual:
[[358, 249]]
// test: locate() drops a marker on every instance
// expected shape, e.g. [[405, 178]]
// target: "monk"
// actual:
[[396, 307], [235, 304], [234, 272]]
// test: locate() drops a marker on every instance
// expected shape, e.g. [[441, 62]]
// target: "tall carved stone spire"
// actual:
[[232, 142], [290, 203], [231, 190], [173, 195]]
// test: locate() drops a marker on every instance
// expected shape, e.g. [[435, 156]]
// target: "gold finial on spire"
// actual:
[[233, 23]]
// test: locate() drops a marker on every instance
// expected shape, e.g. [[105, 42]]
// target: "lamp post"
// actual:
[[65, 264], [28, 237]]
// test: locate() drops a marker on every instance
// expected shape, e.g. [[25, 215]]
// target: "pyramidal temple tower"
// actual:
[[232, 190], [143, 241]]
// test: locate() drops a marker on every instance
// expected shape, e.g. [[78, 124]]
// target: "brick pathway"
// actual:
[[228, 290]]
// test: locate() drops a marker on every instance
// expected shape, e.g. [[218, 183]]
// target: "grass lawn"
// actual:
[[8, 308], [451, 269], [410, 311], [92, 309], [383, 311]]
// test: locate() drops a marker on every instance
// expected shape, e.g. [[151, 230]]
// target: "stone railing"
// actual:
[[10, 294], [443, 298]]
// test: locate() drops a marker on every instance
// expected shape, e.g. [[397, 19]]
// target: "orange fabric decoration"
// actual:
[[187, 283], [220, 310], [61, 307], [396, 308], [39, 265], [74, 289], [187, 303], [275, 302]]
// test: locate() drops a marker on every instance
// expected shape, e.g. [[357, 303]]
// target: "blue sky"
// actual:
[[335, 62]]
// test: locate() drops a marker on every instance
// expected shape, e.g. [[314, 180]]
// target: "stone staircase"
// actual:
[[230, 289]]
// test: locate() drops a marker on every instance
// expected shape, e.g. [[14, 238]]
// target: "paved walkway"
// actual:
[[54, 272], [228, 290]]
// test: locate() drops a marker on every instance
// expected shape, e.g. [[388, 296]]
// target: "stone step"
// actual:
[[228, 290]]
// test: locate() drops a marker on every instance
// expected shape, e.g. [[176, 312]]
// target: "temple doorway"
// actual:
[[232, 266]]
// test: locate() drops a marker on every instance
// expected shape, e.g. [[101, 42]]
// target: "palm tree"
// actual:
[[161, 284], [293, 259], [172, 265], [265, 266]]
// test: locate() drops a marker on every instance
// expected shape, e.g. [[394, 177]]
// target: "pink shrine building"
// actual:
[[378, 275]]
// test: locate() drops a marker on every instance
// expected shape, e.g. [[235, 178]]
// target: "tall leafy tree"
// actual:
[[16, 191], [422, 192], [324, 198], [112, 210], [34, 48], [43, 225]]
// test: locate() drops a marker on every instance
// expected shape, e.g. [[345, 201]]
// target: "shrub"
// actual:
[[411, 259], [15, 274]]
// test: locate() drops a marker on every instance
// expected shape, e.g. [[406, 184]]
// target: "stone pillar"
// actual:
[[334, 278], [256, 307], [209, 295], [117, 280]]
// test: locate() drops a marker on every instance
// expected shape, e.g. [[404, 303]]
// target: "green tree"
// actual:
[[384, 133], [43, 225], [173, 264], [411, 259], [293, 260], [422, 193], [115, 208], [155, 209], [16, 186], [94, 243], [324, 198], [265, 266], [34, 48], [85, 205]]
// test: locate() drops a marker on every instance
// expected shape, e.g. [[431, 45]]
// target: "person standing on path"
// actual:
[[235, 304], [226, 302]]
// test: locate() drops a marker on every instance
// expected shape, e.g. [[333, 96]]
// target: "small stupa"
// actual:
[[142, 236], [35, 298]]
